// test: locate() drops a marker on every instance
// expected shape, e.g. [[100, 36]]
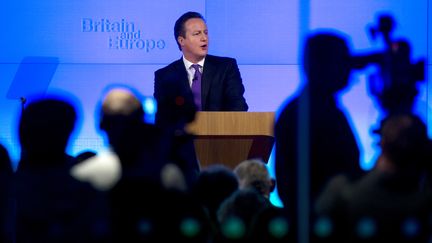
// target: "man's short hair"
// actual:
[[253, 174], [179, 29], [404, 138]]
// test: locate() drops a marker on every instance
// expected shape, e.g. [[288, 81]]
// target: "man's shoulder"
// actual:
[[220, 59], [170, 67]]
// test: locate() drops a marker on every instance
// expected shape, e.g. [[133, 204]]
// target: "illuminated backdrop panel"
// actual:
[[99, 43]]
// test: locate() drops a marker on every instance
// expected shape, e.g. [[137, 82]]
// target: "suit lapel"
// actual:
[[208, 74], [182, 73]]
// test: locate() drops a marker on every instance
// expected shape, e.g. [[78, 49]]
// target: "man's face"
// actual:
[[195, 43]]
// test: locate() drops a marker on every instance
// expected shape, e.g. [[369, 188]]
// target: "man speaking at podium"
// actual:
[[215, 82]]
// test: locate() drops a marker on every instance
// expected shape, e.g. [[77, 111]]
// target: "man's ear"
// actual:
[[180, 40]]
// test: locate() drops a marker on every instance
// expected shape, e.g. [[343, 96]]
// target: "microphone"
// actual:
[[23, 100]]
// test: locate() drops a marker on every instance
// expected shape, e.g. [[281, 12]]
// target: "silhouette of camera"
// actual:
[[395, 83]]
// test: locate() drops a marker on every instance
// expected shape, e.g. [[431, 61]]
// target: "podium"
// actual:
[[229, 138]]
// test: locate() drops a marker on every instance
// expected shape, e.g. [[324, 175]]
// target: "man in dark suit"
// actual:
[[221, 87]]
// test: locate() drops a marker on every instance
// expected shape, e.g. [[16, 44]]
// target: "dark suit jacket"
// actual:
[[221, 85]]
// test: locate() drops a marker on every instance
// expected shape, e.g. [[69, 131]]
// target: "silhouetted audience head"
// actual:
[[122, 116], [404, 140], [253, 174], [120, 107], [44, 129], [327, 62], [46, 124], [214, 184]]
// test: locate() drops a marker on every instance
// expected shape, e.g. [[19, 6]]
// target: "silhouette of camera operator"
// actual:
[[395, 84], [312, 132]]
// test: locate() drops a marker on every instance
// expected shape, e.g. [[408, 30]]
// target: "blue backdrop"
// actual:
[[81, 47]]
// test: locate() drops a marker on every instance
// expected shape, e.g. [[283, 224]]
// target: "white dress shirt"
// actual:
[[190, 70]]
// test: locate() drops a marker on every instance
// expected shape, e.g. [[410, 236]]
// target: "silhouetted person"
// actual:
[[136, 149], [260, 217], [51, 205], [240, 210], [386, 204], [311, 128], [6, 197], [215, 183], [5, 161], [175, 109], [144, 212], [136, 143], [271, 225], [44, 132], [130, 170], [142, 209]]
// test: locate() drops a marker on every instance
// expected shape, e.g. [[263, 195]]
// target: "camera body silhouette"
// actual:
[[395, 83]]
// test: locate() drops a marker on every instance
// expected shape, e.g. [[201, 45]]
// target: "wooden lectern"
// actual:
[[230, 137]]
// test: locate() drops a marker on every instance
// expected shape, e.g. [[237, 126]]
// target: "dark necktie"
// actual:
[[196, 86]]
